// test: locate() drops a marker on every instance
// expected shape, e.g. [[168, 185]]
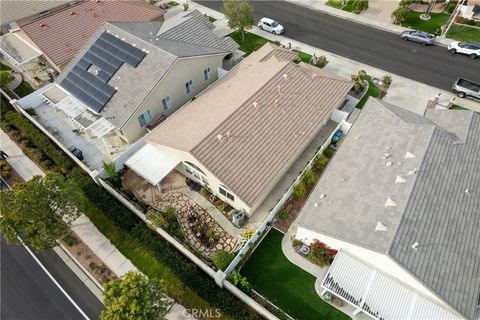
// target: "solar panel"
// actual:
[[107, 55]]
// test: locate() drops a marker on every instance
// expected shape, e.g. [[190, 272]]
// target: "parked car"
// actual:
[[76, 152], [471, 49], [270, 25], [422, 37], [466, 88]]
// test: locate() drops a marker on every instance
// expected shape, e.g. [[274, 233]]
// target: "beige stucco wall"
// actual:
[[379, 260], [173, 85], [213, 182]]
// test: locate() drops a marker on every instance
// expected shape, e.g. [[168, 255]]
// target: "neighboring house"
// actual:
[[57, 37], [401, 200], [240, 136], [129, 75], [14, 13], [471, 9]]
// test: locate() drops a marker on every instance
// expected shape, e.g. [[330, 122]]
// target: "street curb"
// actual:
[[346, 16], [85, 271]]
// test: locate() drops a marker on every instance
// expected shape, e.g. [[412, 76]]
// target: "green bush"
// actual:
[[320, 162], [222, 259], [471, 22], [309, 177], [406, 3], [359, 5], [283, 214], [328, 152], [299, 190], [452, 4]]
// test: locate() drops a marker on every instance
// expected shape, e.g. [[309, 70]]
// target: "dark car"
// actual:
[[418, 36], [76, 152]]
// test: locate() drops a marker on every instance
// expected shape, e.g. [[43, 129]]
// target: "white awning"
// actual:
[[16, 50], [152, 163], [377, 294]]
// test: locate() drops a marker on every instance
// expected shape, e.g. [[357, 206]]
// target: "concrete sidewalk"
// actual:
[[403, 92], [85, 230]]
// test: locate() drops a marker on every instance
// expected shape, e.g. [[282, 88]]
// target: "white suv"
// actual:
[[469, 48], [270, 26]]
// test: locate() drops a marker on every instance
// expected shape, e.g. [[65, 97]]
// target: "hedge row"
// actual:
[[46, 151], [98, 200]]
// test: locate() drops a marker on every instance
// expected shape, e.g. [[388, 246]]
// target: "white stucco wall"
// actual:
[[213, 182], [173, 86], [379, 260]]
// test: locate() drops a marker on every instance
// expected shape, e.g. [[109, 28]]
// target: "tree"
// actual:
[[5, 78], [239, 15], [134, 297], [40, 210], [400, 14]]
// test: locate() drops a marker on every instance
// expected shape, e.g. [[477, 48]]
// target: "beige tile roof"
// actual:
[[61, 34], [252, 124]]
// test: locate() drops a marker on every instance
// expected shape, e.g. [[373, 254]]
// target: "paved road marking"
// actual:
[[54, 281]]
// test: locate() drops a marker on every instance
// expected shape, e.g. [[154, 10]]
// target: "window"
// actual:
[[145, 118], [196, 172], [166, 103], [206, 73], [225, 193], [189, 86]]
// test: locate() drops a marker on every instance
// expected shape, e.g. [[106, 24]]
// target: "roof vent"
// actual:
[[278, 89], [255, 104], [315, 204], [73, 13], [322, 195], [228, 134], [390, 203], [400, 179], [381, 227], [399, 163], [285, 76], [415, 245], [389, 164], [357, 137], [386, 155], [43, 25], [409, 155], [219, 137], [412, 172], [467, 191]]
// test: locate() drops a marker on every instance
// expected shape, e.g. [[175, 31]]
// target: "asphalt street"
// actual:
[[28, 293], [433, 65]]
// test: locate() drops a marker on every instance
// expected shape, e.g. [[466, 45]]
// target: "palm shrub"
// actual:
[[283, 214], [400, 14], [387, 81], [320, 162], [359, 5]]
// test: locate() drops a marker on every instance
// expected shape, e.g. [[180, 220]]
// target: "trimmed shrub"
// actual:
[[309, 177], [452, 4], [283, 214], [299, 190], [328, 152], [320, 162]]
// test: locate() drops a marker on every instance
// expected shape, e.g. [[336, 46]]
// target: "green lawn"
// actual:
[[458, 107], [252, 42], [373, 91], [339, 5], [24, 89], [464, 33], [413, 21], [286, 285]]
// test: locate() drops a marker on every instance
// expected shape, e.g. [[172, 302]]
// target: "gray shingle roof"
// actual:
[[196, 29], [445, 220], [431, 206], [133, 84]]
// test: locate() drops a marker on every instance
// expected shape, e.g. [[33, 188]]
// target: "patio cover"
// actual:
[[152, 163], [377, 294], [17, 49]]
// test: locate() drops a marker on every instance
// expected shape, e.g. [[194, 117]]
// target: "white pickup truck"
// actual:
[[466, 88]]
